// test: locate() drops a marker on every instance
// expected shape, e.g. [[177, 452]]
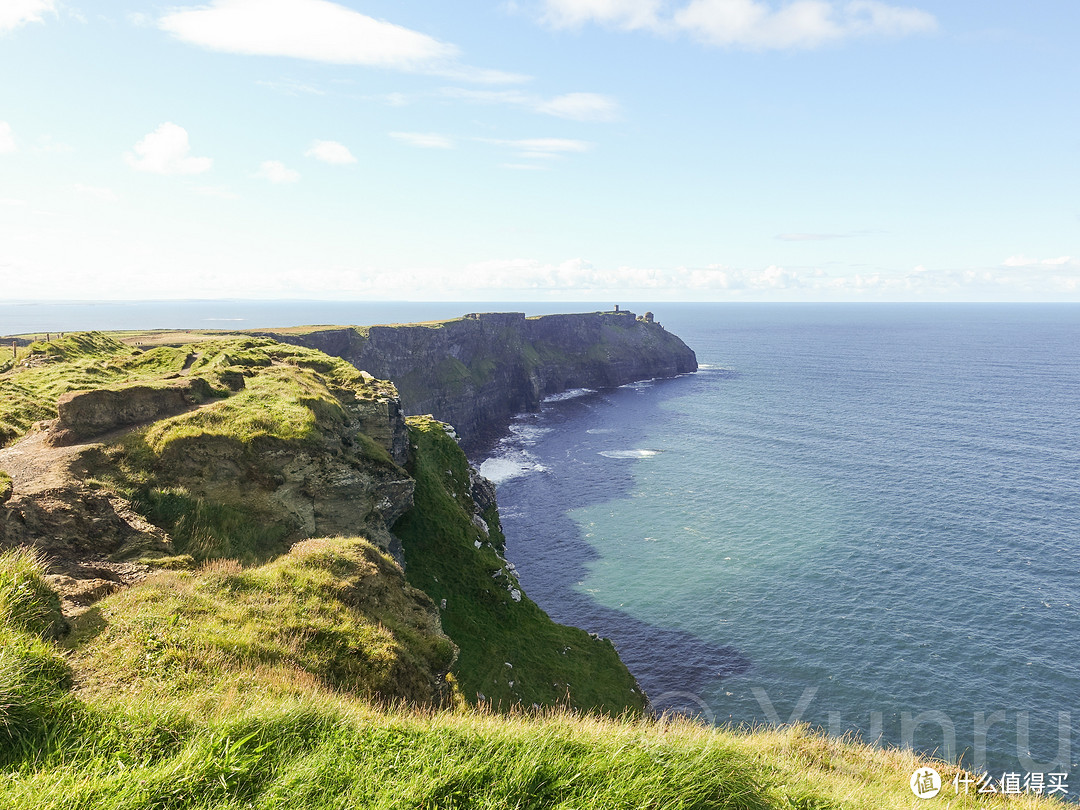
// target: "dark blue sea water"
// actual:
[[863, 517], [866, 517]]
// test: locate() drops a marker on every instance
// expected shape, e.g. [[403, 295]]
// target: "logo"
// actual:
[[925, 783]]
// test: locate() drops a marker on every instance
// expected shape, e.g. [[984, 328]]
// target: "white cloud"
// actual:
[[7, 139], [755, 24], [330, 152], [14, 13], [96, 193], [628, 14], [573, 106], [531, 167], [581, 107], [292, 88], [542, 148], [320, 31], [424, 140], [276, 172], [166, 151], [1024, 261]]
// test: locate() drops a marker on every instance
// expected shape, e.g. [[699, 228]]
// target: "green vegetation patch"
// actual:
[[549, 663], [333, 612], [6, 487], [34, 677]]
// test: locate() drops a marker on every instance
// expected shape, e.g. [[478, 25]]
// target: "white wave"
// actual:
[[629, 453], [502, 468], [594, 431], [640, 384], [571, 394], [527, 434]]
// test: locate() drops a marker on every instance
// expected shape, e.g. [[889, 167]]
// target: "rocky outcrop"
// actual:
[[476, 372], [86, 414]]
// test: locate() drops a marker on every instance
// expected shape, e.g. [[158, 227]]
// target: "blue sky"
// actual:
[[702, 150]]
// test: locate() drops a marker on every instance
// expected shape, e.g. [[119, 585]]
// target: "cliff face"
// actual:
[[477, 371], [241, 449]]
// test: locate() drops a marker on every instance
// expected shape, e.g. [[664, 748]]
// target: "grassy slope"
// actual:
[[267, 737], [549, 663]]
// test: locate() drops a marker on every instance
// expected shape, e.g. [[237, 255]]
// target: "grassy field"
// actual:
[[283, 736]]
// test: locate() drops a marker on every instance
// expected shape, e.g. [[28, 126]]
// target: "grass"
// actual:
[[333, 612], [273, 687], [549, 663], [76, 362], [6, 487]]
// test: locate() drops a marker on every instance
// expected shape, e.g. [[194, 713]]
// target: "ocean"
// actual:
[[865, 518], [862, 517]]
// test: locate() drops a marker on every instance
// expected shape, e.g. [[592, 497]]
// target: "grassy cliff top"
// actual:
[[93, 360]]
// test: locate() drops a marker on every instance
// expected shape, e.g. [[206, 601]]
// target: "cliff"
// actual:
[[477, 371], [145, 468]]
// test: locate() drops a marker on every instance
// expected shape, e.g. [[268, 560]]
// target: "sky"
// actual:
[[495, 150]]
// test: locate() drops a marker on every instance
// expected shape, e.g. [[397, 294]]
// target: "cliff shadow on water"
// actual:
[[550, 465]]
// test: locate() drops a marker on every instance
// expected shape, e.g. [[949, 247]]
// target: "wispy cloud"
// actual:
[[320, 31], [754, 24], [527, 167], [289, 87], [14, 13], [1025, 261], [540, 148], [424, 140], [330, 152], [572, 106], [7, 139], [166, 151], [276, 172]]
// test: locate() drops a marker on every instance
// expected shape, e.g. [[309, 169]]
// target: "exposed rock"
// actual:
[[478, 371], [86, 414]]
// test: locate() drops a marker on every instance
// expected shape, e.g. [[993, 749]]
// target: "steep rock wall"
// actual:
[[476, 372]]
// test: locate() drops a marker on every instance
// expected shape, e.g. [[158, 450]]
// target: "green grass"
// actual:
[[6, 487], [79, 361], [333, 613], [549, 663], [272, 687]]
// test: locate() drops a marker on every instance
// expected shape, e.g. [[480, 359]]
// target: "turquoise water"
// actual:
[[872, 511]]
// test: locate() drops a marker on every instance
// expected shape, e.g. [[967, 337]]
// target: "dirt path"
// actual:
[[36, 467]]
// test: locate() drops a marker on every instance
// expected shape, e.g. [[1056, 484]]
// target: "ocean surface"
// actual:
[[864, 517]]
